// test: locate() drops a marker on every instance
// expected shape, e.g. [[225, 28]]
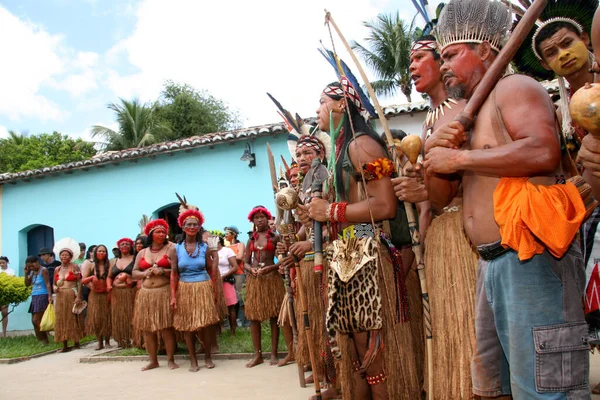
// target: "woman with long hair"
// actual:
[[138, 336], [86, 267], [152, 312], [98, 311], [192, 291], [264, 285], [122, 293], [227, 267], [67, 286], [38, 278]]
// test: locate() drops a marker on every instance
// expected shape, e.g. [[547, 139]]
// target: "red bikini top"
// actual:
[[269, 247], [71, 277], [162, 263]]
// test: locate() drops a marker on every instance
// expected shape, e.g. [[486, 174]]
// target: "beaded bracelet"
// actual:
[[340, 215]]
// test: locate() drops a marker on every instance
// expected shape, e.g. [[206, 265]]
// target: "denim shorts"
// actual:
[[531, 335]]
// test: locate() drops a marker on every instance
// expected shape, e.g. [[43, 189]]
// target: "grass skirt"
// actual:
[[68, 326], [403, 382], [152, 309], [264, 295], [195, 306], [138, 335], [97, 320], [122, 302], [451, 266], [312, 287]]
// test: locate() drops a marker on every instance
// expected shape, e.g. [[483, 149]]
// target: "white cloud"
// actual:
[[3, 132], [238, 50], [34, 59]]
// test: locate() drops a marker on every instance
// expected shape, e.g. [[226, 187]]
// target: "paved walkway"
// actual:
[[62, 376]]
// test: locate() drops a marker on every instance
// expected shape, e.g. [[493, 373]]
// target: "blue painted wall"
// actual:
[[104, 204]]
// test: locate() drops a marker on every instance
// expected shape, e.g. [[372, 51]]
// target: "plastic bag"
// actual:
[[48, 319]]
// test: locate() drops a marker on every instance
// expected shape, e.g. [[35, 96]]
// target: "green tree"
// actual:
[[13, 291], [138, 126], [389, 41], [191, 112], [39, 151]]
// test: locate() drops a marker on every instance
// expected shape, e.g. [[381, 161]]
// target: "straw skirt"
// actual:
[[264, 295], [195, 306], [152, 309], [68, 326], [122, 302], [97, 320]]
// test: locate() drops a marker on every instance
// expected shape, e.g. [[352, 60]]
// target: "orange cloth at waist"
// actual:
[[536, 217]]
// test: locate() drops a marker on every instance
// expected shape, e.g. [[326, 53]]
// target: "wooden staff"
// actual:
[[410, 214], [286, 276], [287, 228]]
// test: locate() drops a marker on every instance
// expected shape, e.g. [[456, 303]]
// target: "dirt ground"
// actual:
[[62, 376]]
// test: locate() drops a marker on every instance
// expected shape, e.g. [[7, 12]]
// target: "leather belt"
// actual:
[[491, 251]]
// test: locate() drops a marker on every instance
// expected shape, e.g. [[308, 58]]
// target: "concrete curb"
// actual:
[[38, 355], [25, 358], [102, 357]]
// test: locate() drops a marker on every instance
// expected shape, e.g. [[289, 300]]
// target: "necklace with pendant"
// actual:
[[434, 114]]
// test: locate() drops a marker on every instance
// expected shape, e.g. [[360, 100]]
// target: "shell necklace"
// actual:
[[434, 114]]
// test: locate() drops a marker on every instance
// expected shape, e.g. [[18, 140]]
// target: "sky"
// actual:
[[66, 60]]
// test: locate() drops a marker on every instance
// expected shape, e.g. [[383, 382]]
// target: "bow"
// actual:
[[412, 224]]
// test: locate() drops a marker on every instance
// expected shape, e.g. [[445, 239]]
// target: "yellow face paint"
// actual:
[[570, 60]]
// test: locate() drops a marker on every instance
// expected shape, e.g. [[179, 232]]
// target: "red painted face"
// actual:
[[425, 70], [462, 70], [125, 248], [159, 235], [101, 253], [191, 226], [139, 245], [294, 177]]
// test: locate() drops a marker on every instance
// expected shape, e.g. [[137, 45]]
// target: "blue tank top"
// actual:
[[38, 285], [192, 269]]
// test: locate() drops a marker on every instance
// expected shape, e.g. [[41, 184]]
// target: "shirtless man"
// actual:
[[526, 311], [450, 262]]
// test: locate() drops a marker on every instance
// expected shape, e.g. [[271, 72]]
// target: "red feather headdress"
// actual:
[[257, 210], [157, 223], [124, 240], [190, 214]]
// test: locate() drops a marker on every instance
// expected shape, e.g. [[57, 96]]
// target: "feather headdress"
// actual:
[[353, 90], [424, 9], [473, 21], [299, 130], [187, 210]]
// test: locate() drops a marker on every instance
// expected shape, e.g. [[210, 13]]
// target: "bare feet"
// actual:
[[63, 350], [194, 368], [99, 347], [258, 359], [287, 360], [310, 379], [172, 365], [209, 363], [274, 360], [328, 394], [76, 347], [150, 366]]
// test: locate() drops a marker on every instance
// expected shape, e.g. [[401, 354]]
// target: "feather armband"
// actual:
[[378, 169]]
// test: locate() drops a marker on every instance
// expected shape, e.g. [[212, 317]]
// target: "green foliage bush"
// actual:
[[13, 290]]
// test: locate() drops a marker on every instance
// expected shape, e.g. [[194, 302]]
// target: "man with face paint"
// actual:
[[449, 257], [527, 305]]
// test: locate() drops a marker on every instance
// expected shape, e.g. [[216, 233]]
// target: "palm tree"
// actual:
[[389, 55], [138, 126], [17, 138]]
